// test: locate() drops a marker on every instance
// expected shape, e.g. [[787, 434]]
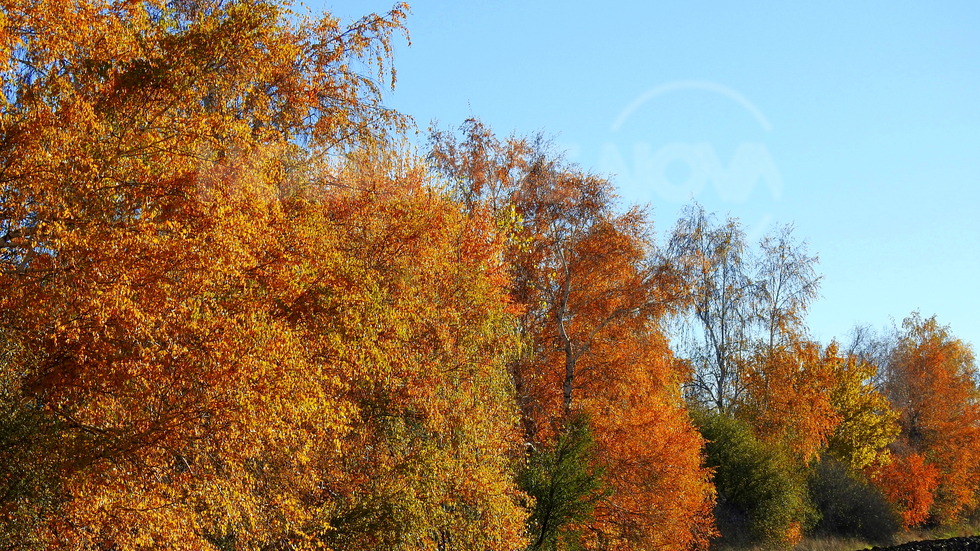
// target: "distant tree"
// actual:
[[873, 347], [784, 284], [713, 260], [747, 307]]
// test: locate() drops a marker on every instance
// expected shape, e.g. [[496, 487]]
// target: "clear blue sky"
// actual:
[[858, 122]]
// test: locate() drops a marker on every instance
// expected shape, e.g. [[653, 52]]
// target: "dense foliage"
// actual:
[[236, 312], [761, 499], [848, 504]]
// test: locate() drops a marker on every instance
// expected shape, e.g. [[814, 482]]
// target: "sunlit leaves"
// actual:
[[868, 423], [235, 314], [788, 397], [909, 482], [592, 299], [931, 381], [214, 333], [417, 320]]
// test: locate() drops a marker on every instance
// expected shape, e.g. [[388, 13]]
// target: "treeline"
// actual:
[[236, 312]]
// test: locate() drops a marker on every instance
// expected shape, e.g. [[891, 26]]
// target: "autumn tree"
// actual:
[[788, 398], [867, 422], [213, 337], [747, 306], [745, 334], [593, 302], [784, 284], [145, 149], [413, 313], [909, 483], [754, 362], [931, 380]]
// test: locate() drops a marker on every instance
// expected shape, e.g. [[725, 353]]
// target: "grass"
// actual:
[[832, 544], [810, 544], [855, 544], [940, 533]]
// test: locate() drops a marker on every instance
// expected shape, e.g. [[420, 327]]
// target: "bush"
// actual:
[[565, 487], [849, 505], [760, 501]]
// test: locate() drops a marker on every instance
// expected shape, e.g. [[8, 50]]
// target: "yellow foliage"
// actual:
[[868, 422]]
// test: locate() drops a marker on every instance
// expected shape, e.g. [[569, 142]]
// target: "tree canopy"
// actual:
[[238, 310]]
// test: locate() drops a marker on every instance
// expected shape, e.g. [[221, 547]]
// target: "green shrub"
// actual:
[[761, 501], [849, 505], [565, 487]]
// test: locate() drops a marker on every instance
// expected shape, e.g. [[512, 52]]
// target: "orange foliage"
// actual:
[[232, 315], [788, 398], [932, 383], [909, 482], [648, 445], [807, 397], [593, 302], [230, 343], [150, 174], [415, 315]]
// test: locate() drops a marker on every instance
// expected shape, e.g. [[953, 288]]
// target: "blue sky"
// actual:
[[857, 122]]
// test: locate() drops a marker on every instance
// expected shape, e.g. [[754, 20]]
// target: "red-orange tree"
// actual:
[[593, 301], [909, 483], [931, 379]]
